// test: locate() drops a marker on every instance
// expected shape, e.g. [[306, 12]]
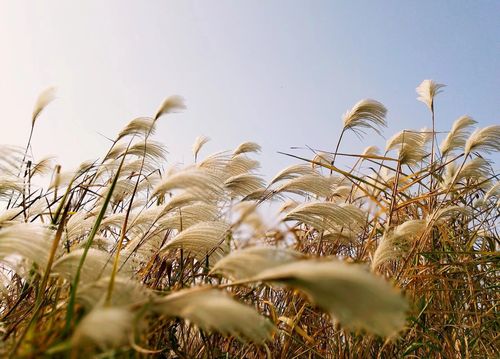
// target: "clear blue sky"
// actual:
[[280, 73]]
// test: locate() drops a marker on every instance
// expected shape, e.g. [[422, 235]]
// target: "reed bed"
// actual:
[[394, 256]]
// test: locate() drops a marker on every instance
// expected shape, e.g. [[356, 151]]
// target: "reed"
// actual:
[[395, 256]]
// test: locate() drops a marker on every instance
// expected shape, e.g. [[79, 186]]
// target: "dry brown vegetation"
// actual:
[[395, 256]]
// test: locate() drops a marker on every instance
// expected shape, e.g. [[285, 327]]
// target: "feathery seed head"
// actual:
[[46, 97], [172, 104], [366, 114], [198, 144], [427, 90], [486, 139], [457, 136], [246, 147]]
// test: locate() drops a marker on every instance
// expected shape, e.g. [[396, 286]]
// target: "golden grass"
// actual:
[[395, 256]]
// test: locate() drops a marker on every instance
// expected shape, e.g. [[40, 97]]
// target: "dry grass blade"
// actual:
[[211, 309], [356, 298]]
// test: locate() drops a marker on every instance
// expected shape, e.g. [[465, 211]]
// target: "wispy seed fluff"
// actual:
[[46, 97], [427, 90], [486, 139], [369, 114]]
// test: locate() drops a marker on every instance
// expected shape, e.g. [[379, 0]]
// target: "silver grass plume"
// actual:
[[446, 214], [411, 145], [241, 164], [47, 96], [28, 240], [293, 171], [9, 185], [494, 191], [105, 328], [140, 126], [116, 151], [246, 147], [342, 236], [243, 184], [322, 158], [427, 90], [457, 136], [249, 262], [475, 169], [172, 104], [249, 217], [211, 309], [187, 216], [371, 151], [316, 184], [395, 241], [10, 159], [288, 205], [486, 139], [198, 144], [153, 150], [202, 240], [327, 215], [8, 216], [97, 264], [354, 297], [126, 291], [216, 163], [367, 113], [182, 199], [42, 167], [196, 181]]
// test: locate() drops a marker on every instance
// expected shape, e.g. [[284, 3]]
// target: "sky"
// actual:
[[280, 73]]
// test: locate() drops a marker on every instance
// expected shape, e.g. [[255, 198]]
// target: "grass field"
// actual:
[[126, 257]]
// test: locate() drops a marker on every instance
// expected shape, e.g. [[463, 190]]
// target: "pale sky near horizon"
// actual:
[[280, 73]]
